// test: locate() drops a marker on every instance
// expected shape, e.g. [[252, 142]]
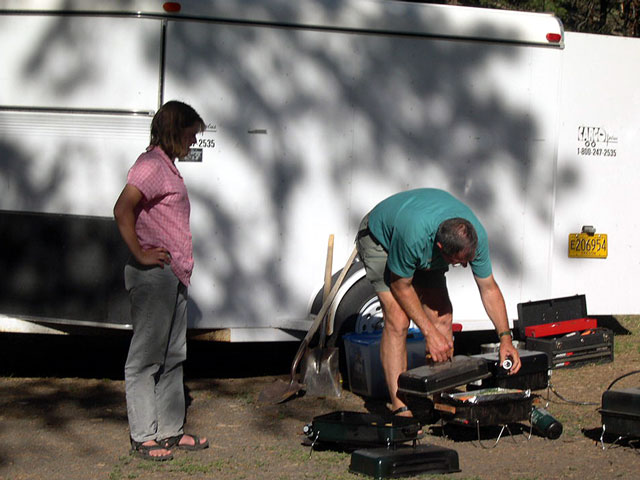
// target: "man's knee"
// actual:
[[396, 321]]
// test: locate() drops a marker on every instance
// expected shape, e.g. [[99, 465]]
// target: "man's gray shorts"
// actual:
[[374, 257]]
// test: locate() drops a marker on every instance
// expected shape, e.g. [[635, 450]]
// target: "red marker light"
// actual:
[[171, 7], [554, 37]]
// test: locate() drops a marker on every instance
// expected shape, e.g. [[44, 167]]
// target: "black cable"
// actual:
[[621, 377], [574, 402]]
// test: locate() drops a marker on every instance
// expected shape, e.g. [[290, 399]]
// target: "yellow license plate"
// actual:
[[583, 245]]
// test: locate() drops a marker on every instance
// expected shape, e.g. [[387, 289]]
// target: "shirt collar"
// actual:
[[158, 151]]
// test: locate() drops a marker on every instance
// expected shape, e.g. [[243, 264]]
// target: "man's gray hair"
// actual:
[[457, 236]]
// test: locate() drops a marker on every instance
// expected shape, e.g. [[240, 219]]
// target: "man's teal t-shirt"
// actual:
[[406, 224]]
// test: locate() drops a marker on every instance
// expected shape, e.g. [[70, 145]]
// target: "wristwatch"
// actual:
[[505, 332]]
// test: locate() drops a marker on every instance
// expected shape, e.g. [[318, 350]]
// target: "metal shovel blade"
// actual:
[[320, 372], [279, 391]]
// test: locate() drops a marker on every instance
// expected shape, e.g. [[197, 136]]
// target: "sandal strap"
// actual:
[[171, 441], [141, 447]]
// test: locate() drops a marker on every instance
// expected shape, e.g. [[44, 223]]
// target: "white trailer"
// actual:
[[316, 111]]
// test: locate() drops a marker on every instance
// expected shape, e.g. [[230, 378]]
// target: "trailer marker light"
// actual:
[[554, 37], [173, 7]]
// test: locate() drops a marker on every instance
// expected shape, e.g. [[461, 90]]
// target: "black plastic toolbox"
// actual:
[[533, 373], [404, 461], [576, 348], [620, 412], [430, 379], [356, 429], [573, 348], [550, 310]]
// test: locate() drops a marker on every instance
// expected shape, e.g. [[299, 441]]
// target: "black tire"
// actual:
[[350, 309]]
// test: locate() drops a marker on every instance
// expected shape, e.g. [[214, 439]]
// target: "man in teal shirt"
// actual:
[[406, 244]]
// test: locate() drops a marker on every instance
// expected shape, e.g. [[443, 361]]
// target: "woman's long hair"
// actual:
[[168, 125]]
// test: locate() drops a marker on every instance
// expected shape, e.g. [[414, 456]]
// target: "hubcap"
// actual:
[[369, 318]]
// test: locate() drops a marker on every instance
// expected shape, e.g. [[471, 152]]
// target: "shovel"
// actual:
[[320, 365], [280, 390]]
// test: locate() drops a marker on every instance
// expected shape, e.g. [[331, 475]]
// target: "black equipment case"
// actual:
[[570, 349], [493, 406], [404, 461], [576, 348], [620, 412], [533, 373], [362, 429], [429, 379], [550, 311]]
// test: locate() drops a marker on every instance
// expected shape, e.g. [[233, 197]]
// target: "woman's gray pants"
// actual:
[[153, 371]]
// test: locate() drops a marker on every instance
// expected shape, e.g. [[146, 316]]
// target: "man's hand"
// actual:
[[507, 350], [438, 346]]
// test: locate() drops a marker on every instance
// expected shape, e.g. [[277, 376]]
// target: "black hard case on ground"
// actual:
[[620, 412], [549, 311], [490, 409], [363, 429], [430, 379], [533, 373], [576, 348], [404, 461]]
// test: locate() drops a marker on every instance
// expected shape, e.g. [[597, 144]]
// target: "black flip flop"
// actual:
[[400, 410]]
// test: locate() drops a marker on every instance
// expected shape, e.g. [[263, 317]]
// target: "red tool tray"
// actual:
[[560, 328]]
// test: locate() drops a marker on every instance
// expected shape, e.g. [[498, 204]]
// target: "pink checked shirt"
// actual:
[[163, 213]]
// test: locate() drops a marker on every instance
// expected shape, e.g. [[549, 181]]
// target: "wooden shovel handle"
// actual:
[[327, 287], [327, 269], [323, 311]]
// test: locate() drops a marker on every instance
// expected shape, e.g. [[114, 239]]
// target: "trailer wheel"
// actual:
[[359, 310]]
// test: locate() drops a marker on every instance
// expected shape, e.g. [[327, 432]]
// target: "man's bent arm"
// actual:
[[494, 305]]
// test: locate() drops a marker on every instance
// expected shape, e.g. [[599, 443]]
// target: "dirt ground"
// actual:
[[63, 416]]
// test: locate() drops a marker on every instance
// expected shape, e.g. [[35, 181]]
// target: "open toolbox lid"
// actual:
[[550, 311]]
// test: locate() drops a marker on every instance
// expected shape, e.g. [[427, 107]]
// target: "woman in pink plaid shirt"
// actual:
[[152, 214]]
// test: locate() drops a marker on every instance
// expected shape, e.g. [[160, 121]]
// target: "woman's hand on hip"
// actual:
[[154, 256]]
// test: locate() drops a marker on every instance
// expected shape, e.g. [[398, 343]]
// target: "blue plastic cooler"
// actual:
[[364, 367]]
